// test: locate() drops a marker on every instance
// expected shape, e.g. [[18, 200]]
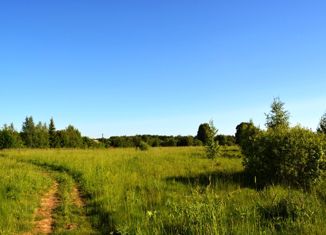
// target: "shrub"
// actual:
[[10, 138], [292, 156], [143, 146], [212, 146]]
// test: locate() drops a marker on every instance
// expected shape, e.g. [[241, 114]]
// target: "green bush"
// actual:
[[212, 146], [291, 156], [143, 146]]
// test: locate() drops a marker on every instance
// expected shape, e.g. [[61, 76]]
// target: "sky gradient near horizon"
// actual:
[[161, 67]]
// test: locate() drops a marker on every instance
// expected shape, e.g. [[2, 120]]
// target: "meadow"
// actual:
[[159, 191]]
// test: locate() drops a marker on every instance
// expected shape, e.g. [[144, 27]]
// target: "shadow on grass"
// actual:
[[101, 220], [240, 178], [176, 229]]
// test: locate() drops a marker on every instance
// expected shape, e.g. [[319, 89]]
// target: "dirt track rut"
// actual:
[[44, 214]]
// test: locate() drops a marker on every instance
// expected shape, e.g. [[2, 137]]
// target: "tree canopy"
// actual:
[[322, 125], [204, 131], [278, 116]]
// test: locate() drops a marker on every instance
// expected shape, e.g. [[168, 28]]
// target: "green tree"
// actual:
[[41, 137], [71, 138], [278, 116], [288, 155], [212, 146], [10, 138], [322, 125], [28, 132], [54, 141], [245, 132], [203, 133]]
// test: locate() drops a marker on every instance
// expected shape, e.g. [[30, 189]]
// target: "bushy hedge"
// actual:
[[290, 155]]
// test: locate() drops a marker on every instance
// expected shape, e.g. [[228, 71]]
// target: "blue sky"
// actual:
[[161, 67]]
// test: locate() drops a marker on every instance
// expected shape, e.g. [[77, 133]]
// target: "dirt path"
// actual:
[[78, 202], [76, 197], [62, 209], [44, 214]]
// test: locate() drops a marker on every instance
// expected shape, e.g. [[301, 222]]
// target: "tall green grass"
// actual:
[[179, 191], [21, 188]]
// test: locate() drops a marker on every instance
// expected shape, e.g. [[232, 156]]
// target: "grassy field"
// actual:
[[159, 191]]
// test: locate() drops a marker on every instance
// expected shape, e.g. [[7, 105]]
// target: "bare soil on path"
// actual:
[[77, 199], [44, 214]]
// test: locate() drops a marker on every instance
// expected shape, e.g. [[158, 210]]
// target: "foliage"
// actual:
[[245, 132], [10, 138], [228, 140], [90, 143], [170, 141], [322, 125], [41, 136], [203, 132], [71, 137], [212, 146], [143, 146], [278, 116], [152, 140], [35, 136], [290, 156], [28, 132], [185, 141], [54, 140]]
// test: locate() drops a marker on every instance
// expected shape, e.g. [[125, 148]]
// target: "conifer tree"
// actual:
[[278, 116], [53, 136]]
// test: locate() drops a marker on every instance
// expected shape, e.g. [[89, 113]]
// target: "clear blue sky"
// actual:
[[161, 67]]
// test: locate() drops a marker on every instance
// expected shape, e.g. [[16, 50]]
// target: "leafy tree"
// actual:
[[28, 132], [212, 146], [41, 137], [203, 133], [322, 125], [10, 138], [292, 156], [245, 133], [34, 136], [71, 138], [278, 116]]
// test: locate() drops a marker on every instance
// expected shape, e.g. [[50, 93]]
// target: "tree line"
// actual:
[[165, 141], [41, 135]]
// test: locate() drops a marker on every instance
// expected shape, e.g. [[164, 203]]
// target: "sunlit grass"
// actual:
[[21, 187], [179, 191]]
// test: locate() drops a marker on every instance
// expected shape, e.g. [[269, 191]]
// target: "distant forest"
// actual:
[[41, 135]]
